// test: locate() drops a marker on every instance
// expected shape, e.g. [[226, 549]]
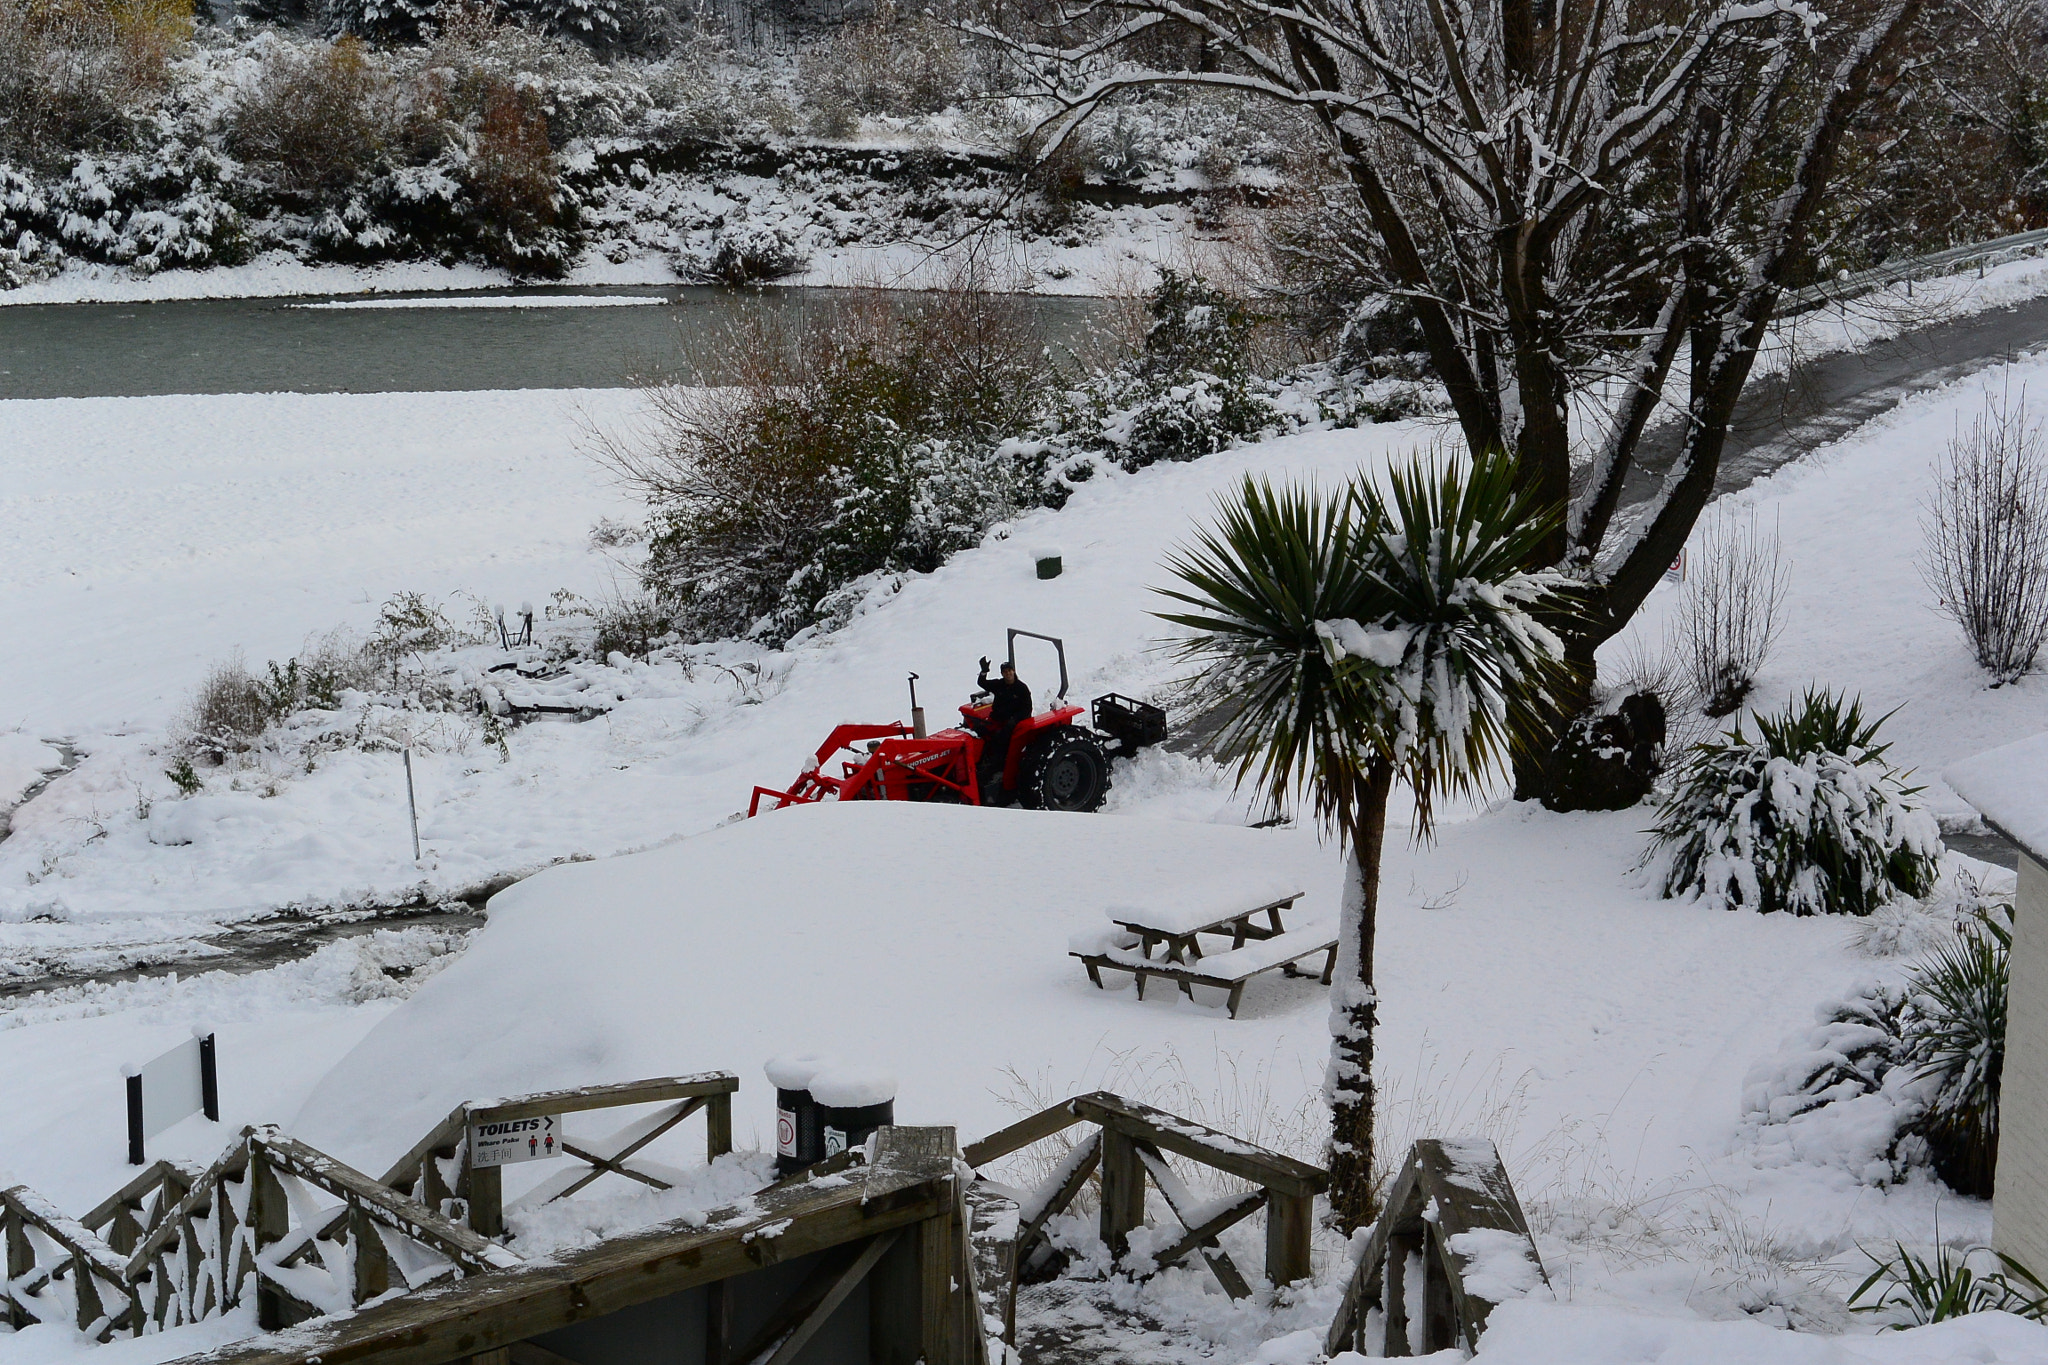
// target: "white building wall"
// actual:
[[2020, 1210]]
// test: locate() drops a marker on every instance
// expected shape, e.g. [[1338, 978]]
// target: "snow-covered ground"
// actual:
[[1535, 987]]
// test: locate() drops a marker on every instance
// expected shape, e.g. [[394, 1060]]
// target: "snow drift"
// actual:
[[928, 941]]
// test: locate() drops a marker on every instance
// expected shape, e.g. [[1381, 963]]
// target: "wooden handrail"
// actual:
[[1199, 1142], [383, 1204], [1126, 1151], [580, 1098], [1446, 1188], [1021, 1134], [231, 1162], [153, 1176], [89, 1255], [912, 1184]]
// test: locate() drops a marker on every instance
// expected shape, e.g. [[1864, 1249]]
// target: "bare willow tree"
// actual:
[[1575, 197]]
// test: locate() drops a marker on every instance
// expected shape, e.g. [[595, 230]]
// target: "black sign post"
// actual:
[[209, 1095]]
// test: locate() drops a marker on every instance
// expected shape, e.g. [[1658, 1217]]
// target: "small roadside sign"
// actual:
[[501, 1142], [1676, 573]]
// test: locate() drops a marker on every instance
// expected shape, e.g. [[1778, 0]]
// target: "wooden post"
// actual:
[[269, 1219], [1123, 1191], [1439, 1321], [935, 1314], [1289, 1219], [718, 1316], [21, 1259], [717, 1126], [1400, 1246], [372, 1262], [486, 1196], [86, 1294]]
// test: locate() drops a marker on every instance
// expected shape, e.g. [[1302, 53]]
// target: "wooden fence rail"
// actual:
[[1450, 1210], [310, 1235], [438, 1172], [49, 1253], [1129, 1147]]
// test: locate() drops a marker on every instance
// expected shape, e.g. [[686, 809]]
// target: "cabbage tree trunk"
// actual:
[[1354, 1008]]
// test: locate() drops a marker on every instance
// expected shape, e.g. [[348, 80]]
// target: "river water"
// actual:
[[536, 338]]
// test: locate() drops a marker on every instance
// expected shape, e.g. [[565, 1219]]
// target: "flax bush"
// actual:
[[1807, 818]]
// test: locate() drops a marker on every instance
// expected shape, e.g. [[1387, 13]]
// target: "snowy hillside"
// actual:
[[1535, 988]]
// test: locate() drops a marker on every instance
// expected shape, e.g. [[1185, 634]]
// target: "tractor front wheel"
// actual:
[[1064, 770]]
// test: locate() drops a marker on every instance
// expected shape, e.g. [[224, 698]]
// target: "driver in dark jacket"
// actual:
[[1010, 702]]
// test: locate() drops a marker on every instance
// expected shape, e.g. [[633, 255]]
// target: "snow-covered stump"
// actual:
[[1450, 1245]]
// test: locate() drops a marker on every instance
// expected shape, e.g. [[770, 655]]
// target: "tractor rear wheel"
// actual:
[[1065, 769]]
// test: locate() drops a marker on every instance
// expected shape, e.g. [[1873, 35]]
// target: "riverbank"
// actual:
[[1133, 242]]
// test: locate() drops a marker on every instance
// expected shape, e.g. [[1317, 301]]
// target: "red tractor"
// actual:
[[1053, 763]]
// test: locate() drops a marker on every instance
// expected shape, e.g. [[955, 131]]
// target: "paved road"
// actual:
[[1784, 417]]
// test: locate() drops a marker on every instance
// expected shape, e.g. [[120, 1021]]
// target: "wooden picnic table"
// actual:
[[1184, 941], [1253, 947]]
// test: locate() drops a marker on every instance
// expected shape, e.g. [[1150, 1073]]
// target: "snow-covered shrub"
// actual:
[[315, 119], [889, 63], [1127, 150], [78, 74], [747, 253], [1727, 617], [865, 442], [26, 253], [1958, 1042], [1987, 537], [169, 207], [1189, 392], [1807, 818], [229, 713]]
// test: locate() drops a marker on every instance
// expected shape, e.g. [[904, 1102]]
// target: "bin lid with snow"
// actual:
[[2009, 787]]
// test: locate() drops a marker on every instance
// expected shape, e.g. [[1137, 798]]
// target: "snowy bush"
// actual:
[[748, 253], [1958, 1042], [1902, 1072], [315, 119], [889, 63], [1807, 818], [1189, 392], [865, 443], [1987, 537], [1727, 616], [228, 715], [79, 74]]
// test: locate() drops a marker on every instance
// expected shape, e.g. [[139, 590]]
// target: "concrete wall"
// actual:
[[2020, 1209]]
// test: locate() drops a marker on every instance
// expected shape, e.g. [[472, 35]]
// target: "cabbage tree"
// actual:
[[1354, 640]]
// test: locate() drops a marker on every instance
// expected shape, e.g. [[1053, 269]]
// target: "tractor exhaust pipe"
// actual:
[[916, 711]]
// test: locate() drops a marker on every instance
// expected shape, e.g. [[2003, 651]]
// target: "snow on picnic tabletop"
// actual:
[[1182, 909], [2009, 785]]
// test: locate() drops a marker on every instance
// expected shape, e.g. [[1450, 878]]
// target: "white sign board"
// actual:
[[1676, 573], [504, 1141], [172, 1088]]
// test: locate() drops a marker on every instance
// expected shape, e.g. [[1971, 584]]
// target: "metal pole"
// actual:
[[412, 805]]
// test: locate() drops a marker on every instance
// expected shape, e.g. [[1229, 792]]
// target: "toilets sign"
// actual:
[[501, 1142]]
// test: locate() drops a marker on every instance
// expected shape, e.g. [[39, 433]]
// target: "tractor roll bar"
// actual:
[[1052, 640]]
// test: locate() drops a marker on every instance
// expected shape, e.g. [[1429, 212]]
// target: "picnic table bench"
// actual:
[[1178, 929]]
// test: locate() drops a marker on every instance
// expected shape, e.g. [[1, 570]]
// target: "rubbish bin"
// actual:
[[799, 1130], [851, 1103]]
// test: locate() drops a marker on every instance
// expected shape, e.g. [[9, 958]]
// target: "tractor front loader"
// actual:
[[1053, 762]]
